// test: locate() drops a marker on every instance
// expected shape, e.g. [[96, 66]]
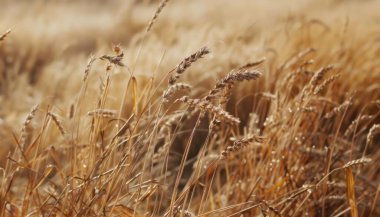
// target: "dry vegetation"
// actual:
[[207, 108]]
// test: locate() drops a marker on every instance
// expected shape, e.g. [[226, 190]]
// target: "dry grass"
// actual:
[[282, 118]]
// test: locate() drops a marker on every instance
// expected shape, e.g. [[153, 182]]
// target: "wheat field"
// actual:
[[190, 108]]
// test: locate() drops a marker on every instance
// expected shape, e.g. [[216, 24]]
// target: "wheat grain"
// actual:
[[372, 132], [228, 82], [356, 162], [294, 60], [324, 84], [88, 68], [155, 16], [353, 125], [187, 213], [186, 63], [317, 77], [338, 109], [336, 198], [252, 64], [116, 60], [238, 144], [58, 123], [206, 106], [27, 121], [105, 113], [172, 89], [182, 212]]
